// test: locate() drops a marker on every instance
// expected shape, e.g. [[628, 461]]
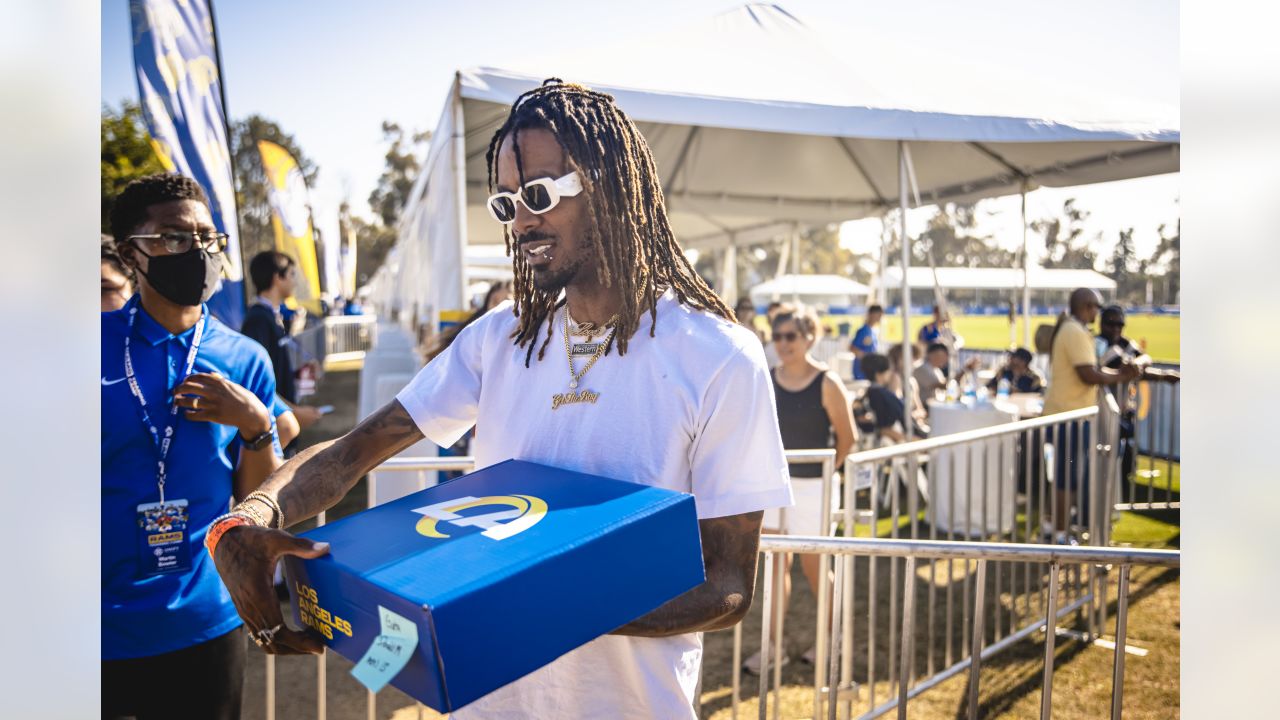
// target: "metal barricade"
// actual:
[[1056, 602], [826, 458], [1149, 446], [913, 467], [349, 337]]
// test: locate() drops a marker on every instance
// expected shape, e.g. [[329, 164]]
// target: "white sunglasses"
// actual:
[[539, 196]]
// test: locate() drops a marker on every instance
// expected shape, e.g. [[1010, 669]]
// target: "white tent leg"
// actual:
[[906, 290], [795, 265], [729, 274], [1026, 270]]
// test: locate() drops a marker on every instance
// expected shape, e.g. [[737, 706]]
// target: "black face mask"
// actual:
[[187, 279]]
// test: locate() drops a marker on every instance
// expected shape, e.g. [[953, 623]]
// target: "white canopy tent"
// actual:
[[758, 126], [966, 278], [831, 290]]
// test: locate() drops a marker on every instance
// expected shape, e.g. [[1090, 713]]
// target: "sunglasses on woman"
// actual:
[[539, 196], [790, 336]]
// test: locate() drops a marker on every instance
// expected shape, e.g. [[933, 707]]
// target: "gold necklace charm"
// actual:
[[588, 329], [575, 396]]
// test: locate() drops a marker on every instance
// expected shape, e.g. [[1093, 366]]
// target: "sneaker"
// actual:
[[752, 664]]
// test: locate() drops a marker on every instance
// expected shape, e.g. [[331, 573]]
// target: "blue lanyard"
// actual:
[[162, 441]]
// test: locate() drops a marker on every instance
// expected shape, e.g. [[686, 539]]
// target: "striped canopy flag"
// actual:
[[180, 91], [291, 220]]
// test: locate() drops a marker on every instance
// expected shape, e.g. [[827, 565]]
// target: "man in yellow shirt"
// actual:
[[1074, 385]]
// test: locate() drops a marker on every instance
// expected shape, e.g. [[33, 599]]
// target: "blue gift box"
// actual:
[[498, 572]]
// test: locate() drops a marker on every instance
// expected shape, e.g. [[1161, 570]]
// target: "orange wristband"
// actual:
[[220, 527]]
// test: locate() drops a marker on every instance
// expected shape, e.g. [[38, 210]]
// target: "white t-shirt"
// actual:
[[691, 409]]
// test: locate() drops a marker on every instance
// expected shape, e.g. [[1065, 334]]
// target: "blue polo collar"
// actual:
[[153, 332]]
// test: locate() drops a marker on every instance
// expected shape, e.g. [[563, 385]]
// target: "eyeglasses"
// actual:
[[539, 196], [1112, 323], [790, 336], [177, 243]]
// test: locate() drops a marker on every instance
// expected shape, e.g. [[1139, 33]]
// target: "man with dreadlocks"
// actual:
[[656, 384]]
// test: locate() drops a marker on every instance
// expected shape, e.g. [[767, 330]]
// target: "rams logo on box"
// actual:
[[522, 513]]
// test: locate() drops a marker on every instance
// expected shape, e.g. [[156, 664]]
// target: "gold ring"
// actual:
[[195, 402]]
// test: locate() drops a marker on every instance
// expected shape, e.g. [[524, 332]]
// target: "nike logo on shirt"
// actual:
[[106, 382]]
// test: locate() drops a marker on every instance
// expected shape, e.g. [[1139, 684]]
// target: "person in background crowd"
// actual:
[[172, 644], [919, 410], [1074, 385], [117, 281], [866, 340], [813, 413], [275, 275], [771, 313], [932, 332], [772, 309], [929, 374], [746, 313], [1018, 371], [885, 405], [1114, 351]]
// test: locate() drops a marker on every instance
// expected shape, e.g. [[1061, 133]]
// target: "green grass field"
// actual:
[[1160, 332]]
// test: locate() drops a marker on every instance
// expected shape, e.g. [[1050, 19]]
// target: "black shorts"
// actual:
[[202, 682]]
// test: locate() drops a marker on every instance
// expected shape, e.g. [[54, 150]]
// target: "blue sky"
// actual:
[[329, 71]]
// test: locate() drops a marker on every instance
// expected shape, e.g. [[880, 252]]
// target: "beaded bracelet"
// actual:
[[271, 504], [254, 513], [220, 526]]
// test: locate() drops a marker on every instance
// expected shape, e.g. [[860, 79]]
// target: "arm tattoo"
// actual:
[[729, 548], [318, 477]]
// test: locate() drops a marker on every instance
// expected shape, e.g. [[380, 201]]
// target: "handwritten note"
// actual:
[[389, 653]]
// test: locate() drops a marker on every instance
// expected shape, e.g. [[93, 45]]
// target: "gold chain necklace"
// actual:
[[589, 329], [574, 395]]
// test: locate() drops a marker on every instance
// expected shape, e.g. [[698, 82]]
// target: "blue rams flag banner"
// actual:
[[180, 92]]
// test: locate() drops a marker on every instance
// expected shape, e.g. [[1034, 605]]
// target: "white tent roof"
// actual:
[[757, 126], [822, 129], [810, 286], [965, 278]]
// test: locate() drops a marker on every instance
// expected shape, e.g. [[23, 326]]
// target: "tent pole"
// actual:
[[1026, 271], [906, 290], [882, 291], [795, 265], [729, 272]]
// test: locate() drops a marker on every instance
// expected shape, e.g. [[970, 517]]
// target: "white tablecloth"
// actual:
[[961, 511]]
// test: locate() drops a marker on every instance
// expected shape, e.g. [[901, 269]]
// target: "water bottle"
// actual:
[[970, 397], [953, 391], [1002, 389]]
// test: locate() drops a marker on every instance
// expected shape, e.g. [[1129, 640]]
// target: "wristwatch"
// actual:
[[260, 440]]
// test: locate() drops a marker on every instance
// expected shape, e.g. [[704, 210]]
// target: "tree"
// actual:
[[256, 233], [373, 241], [1063, 243], [1168, 254], [953, 240], [391, 195], [1120, 267], [388, 200], [126, 154]]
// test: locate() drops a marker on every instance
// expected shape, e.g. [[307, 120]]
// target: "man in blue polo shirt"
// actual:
[[185, 426], [866, 340]]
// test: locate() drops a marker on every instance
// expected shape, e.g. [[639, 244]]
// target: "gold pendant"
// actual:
[[570, 398]]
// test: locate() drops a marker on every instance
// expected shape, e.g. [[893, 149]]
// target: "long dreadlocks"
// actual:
[[635, 248]]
